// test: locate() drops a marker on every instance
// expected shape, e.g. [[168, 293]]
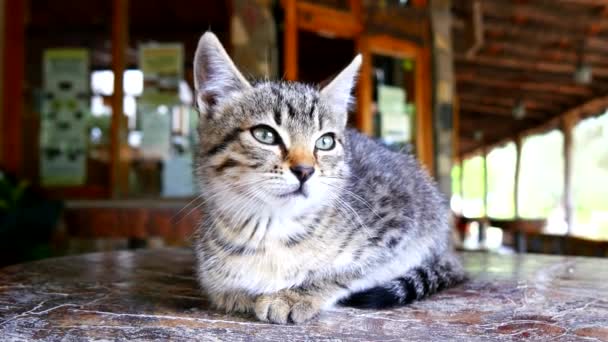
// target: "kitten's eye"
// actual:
[[326, 142], [265, 135]]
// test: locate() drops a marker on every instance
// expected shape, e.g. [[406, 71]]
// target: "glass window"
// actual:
[[66, 147], [541, 180], [473, 187], [456, 200], [501, 179], [394, 101], [590, 178]]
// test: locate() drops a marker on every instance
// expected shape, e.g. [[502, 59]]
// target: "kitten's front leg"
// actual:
[[233, 301], [296, 305]]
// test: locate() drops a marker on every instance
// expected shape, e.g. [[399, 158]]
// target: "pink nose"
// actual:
[[302, 172]]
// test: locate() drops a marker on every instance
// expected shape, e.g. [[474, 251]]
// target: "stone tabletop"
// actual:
[[153, 295]]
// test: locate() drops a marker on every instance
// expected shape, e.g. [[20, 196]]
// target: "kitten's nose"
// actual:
[[302, 172]]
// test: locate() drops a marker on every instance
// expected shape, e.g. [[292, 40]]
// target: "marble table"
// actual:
[[152, 295]]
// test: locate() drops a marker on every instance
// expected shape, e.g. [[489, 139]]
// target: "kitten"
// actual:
[[302, 213]]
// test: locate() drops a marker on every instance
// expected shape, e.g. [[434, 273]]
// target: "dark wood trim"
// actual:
[[389, 46], [13, 85], [576, 90], [119, 44], [140, 222], [328, 21], [527, 65], [290, 40], [499, 100], [364, 118]]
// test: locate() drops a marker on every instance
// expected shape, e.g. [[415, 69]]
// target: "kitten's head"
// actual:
[[268, 147]]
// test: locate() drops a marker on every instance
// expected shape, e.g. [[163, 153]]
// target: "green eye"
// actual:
[[265, 135], [326, 142]]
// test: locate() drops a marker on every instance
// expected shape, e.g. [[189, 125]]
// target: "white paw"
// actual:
[[281, 308]]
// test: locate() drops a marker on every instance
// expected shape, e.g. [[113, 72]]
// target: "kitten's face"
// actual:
[[285, 150], [273, 148]]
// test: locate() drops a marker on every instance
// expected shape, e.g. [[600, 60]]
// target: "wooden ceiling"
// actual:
[[513, 52]]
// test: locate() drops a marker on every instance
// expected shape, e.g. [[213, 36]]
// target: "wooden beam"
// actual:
[[290, 41], [564, 102], [519, 64], [592, 3], [13, 85], [500, 30], [471, 69], [549, 53], [506, 101], [529, 86], [475, 30], [493, 127], [119, 44], [494, 110], [326, 21], [548, 16]]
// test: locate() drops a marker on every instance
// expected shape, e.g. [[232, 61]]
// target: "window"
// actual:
[[541, 180], [501, 178], [473, 187], [590, 177], [456, 200]]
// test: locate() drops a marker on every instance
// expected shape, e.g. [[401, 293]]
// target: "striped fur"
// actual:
[[368, 228]]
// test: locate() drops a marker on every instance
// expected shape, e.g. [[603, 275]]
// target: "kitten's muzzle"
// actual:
[[302, 172]]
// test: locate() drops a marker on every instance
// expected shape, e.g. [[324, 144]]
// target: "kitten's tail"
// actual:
[[417, 283]]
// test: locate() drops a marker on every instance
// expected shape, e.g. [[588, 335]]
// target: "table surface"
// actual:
[[152, 294]]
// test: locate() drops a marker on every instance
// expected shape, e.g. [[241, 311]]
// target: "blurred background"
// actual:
[[503, 102]]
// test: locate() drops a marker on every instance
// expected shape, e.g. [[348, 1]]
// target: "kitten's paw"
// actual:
[[302, 311], [272, 308], [282, 308]]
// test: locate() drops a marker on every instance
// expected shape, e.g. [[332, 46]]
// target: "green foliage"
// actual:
[[541, 186], [590, 177], [501, 181], [11, 194], [473, 188]]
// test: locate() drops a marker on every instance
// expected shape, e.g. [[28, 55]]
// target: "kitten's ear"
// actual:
[[216, 78], [337, 92]]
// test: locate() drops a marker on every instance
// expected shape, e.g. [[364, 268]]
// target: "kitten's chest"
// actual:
[[278, 265]]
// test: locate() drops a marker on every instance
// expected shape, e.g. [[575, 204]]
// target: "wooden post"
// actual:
[[290, 42], [519, 235], [365, 119], [461, 176], [484, 221], [567, 124], [119, 45], [12, 78], [517, 173], [424, 115]]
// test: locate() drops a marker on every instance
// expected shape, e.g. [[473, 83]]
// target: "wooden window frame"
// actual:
[[300, 15], [393, 47]]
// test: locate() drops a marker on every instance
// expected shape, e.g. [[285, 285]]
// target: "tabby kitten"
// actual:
[[302, 213]]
